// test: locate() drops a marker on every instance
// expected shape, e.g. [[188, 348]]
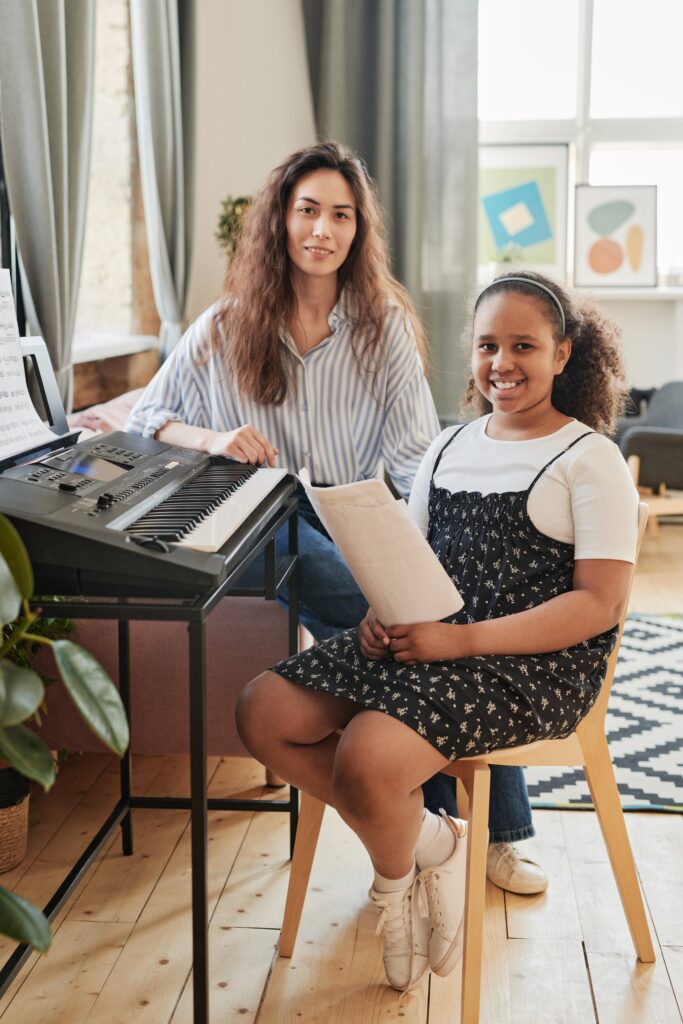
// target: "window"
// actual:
[[605, 77], [115, 312]]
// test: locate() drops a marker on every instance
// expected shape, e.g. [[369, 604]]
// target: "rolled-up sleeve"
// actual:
[[411, 422], [179, 391]]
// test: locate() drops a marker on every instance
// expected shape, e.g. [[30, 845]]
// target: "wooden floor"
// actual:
[[122, 948]]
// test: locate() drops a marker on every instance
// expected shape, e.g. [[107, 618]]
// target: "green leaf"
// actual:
[[93, 693], [10, 595], [12, 547], [23, 693], [21, 921], [28, 754]]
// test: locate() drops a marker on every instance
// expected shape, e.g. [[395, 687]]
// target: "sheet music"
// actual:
[[391, 561], [20, 425]]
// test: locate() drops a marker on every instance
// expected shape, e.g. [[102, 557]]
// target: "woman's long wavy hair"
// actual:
[[258, 299], [593, 385]]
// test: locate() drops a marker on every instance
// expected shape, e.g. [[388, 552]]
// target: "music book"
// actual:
[[391, 561]]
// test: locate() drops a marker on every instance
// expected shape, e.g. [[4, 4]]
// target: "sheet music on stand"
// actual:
[[20, 425]]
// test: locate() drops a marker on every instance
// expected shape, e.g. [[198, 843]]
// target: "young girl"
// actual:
[[532, 511], [313, 355]]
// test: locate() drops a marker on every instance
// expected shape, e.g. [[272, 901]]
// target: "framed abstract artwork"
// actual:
[[615, 236], [522, 219]]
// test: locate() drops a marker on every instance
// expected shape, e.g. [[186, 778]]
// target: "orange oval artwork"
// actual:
[[634, 245], [605, 256]]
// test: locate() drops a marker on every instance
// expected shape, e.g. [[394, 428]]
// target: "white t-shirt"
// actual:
[[586, 498]]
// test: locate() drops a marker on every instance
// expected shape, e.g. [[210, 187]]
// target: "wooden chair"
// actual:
[[586, 747]]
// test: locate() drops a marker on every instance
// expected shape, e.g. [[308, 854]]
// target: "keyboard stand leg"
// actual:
[[293, 609], [126, 768], [198, 783]]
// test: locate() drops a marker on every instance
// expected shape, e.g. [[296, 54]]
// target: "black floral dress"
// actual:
[[501, 564]]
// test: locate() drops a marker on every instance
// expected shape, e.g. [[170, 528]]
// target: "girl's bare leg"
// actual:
[[372, 774], [379, 767], [293, 730]]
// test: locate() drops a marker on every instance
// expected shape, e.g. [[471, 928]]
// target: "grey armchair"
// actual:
[[656, 438]]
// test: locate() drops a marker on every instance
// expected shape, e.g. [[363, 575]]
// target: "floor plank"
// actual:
[[549, 982], [657, 841], [628, 992]]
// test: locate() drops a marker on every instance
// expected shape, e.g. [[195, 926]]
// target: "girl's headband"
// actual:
[[534, 284]]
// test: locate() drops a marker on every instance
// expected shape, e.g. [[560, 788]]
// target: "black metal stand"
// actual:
[[278, 573]]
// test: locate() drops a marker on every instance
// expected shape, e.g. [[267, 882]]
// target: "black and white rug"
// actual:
[[644, 725]]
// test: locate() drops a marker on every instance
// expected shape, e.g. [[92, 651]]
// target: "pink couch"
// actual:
[[244, 636]]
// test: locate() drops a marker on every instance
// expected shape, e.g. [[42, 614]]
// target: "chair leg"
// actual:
[[307, 832], [603, 787], [477, 784]]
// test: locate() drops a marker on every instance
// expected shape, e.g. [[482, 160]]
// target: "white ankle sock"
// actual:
[[382, 884], [435, 843]]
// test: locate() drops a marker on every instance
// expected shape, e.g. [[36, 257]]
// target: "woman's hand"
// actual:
[[246, 444], [374, 642], [427, 641]]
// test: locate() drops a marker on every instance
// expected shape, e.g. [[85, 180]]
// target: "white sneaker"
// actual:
[[406, 936], [507, 869], [444, 888]]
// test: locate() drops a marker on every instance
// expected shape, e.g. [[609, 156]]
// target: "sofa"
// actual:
[[656, 438]]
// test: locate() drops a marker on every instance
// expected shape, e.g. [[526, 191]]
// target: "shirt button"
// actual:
[[307, 455]]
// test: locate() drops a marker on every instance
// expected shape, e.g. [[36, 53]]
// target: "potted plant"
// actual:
[[23, 755], [230, 221]]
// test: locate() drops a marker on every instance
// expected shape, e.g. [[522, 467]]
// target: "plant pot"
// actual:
[[14, 797]]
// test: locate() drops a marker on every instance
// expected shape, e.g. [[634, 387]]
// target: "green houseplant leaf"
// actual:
[[93, 693], [17, 559], [21, 693], [10, 595], [28, 754], [23, 922]]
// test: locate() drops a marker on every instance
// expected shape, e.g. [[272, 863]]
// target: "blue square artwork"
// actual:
[[517, 215]]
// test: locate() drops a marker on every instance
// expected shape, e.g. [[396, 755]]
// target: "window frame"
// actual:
[[583, 132]]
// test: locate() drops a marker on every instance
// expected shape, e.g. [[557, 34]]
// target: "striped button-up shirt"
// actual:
[[339, 422]]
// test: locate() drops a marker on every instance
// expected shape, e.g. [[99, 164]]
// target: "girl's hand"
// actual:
[[427, 641], [246, 444], [374, 642]]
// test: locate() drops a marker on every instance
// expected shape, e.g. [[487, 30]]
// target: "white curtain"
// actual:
[[47, 50], [397, 81], [162, 70]]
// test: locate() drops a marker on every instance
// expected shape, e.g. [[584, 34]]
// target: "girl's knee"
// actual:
[[253, 708], [360, 780]]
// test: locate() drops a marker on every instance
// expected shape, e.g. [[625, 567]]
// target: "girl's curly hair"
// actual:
[[593, 386], [258, 298]]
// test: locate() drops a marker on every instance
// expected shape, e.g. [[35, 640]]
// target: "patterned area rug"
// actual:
[[644, 725]]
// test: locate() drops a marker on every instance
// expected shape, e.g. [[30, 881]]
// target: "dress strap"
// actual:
[[450, 439], [556, 457]]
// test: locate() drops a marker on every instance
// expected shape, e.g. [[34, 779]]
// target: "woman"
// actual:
[[314, 355]]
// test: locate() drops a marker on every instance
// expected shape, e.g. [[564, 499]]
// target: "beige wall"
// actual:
[[253, 107]]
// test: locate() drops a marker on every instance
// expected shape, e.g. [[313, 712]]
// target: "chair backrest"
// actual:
[[599, 709], [665, 408]]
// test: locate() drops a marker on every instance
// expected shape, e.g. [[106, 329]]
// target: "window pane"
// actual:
[[527, 59], [646, 165], [637, 67]]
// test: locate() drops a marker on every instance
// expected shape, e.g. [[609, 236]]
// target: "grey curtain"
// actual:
[[162, 44], [47, 52], [397, 81]]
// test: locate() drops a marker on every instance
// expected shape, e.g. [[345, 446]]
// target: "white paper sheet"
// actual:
[[391, 561], [20, 425]]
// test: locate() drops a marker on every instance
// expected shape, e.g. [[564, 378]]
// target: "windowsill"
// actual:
[[89, 347], [662, 293]]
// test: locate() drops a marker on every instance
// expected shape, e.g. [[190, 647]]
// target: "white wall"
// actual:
[[652, 327], [253, 107]]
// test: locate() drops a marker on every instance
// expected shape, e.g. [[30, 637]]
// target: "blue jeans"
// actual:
[[329, 602]]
